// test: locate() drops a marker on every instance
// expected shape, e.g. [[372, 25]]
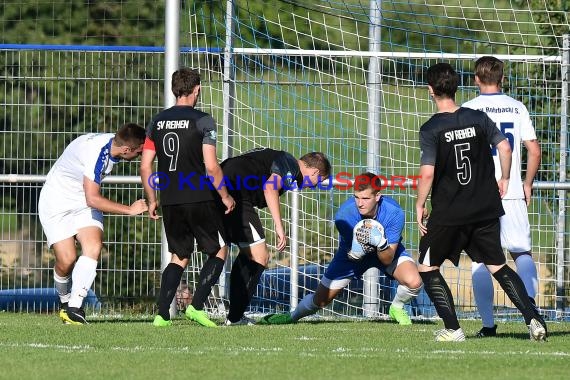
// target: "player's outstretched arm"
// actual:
[[95, 200]]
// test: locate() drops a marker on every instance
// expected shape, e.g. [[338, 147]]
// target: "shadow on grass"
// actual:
[[380, 321]]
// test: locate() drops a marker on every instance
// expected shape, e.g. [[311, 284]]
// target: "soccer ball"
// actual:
[[369, 232], [367, 238]]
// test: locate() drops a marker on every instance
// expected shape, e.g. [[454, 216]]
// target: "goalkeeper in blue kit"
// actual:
[[370, 235]]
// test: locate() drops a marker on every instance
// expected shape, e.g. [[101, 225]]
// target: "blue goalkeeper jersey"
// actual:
[[389, 214]]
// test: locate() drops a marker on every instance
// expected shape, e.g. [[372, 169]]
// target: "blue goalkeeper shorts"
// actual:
[[342, 270]]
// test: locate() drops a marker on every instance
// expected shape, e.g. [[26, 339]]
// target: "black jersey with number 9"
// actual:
[[178, 134]]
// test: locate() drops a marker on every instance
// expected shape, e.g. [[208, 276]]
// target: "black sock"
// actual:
[[208, 277], [243, 283], [169, 283], [440, 294], [256, 270], [514, 287]]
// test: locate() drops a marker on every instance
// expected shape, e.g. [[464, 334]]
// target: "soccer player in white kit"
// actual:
[[512, 118], [71, 209]]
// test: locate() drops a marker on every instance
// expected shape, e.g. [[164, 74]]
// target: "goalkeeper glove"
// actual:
[[367, 237], [356, 252], [371, 233]]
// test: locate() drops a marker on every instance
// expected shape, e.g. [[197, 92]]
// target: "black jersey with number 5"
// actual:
[[178, 134], [458, 145]]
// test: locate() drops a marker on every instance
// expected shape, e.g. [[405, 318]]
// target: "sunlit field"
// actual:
[[36, 346]]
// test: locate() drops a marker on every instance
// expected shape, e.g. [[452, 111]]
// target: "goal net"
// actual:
[[345, 77], [312, 75]]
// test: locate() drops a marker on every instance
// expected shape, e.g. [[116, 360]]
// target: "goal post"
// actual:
[[562, 242], [362, 104], [345, 77]]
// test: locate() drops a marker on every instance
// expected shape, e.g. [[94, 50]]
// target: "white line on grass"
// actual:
[[135, 349], [342, 351], [60, 347], [338, 351]]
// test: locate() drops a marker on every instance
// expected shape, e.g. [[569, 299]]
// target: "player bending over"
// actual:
[[370, 235], [256, 180]]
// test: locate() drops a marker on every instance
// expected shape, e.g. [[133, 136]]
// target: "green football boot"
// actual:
[[276, 319], [400, 315], [161, 322], [199, 316]]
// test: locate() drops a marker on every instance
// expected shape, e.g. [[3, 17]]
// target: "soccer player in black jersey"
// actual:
[[457, 166], [184, 140], [513, 119], [256, 179]]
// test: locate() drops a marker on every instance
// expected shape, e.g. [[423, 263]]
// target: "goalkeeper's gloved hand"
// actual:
[[371, 233], [356, 252], [367, 237]]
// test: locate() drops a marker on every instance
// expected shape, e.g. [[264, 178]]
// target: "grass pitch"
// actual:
[[40, 347], [298, 119]]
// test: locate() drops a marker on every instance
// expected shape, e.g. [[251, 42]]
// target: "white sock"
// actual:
[[82, 278], [483, 291], [62, 287], [526, 269], [305, 307], [403, 295]]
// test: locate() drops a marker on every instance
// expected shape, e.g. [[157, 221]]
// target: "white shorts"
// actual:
[[515, 228], [61, 220]]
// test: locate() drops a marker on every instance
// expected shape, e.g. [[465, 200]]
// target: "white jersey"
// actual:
[[87, 156], [512, 118]]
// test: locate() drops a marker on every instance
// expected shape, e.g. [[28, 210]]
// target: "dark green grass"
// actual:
[[38, 346]]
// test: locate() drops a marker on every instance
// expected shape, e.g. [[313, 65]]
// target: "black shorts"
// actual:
[[243, 226], [481, 241], [201, 221]]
